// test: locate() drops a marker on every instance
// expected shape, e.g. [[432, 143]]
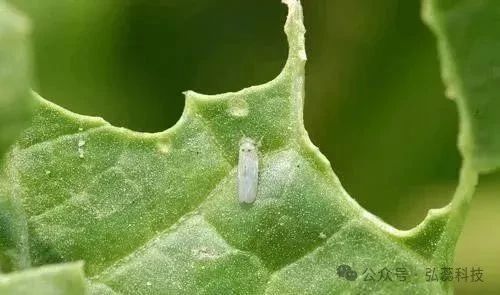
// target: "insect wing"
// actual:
[[248, 169]]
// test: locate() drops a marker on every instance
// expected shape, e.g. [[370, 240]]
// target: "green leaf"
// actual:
[[468, 33], [468, 37], [14, 252], [15, 74], [47, 280], [159, 213], [16, 104]]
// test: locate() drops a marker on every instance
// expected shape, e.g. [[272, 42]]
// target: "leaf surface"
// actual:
[[61, 279], [468, 33], [15, 74], [16, 104]]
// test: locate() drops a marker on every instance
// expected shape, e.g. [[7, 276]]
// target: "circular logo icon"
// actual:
[[345, 271], [351, 275], [342, 270]]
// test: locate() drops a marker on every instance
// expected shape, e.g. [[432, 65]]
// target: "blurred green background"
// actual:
[[375, 102]]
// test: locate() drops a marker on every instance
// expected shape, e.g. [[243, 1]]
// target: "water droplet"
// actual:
[[81, 153], [238, 107], [81, 144], [149, 283]]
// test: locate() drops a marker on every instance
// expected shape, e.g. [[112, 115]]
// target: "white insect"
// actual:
[[248, 171]]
